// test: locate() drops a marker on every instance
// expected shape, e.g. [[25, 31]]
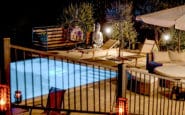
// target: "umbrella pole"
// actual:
[[120, 45], [179, 44]]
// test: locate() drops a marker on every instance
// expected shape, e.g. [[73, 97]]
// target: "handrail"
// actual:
[[62, 56]]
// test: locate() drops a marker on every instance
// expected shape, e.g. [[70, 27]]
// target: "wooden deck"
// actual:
[[148, 105], [104, 57]]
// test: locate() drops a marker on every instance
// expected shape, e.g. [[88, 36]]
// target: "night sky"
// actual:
[[19, 17]]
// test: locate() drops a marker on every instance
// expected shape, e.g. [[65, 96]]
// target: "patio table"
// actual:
[[175, 72], [171, 71]]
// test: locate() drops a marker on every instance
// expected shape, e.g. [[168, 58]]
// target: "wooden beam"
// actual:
[[6, 48]]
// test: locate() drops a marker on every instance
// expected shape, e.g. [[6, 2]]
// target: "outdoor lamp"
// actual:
[[122, 106], [108, 30], [166, 37], [4, 98], [18, 96]]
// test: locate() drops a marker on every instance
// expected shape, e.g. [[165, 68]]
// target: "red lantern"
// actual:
[[4, 98], [122, 106], [18, 96]]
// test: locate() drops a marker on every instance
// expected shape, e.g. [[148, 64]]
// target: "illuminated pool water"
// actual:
[[34, 77]]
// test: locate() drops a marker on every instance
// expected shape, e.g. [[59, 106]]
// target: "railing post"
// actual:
[[6, 51], [122, 81], [6, 69]]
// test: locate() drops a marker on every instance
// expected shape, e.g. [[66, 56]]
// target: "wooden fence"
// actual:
[[52, 37]]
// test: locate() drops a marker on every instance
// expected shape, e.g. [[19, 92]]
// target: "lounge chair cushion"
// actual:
[[175, 56], [182, 54], [148, 46], [109, 44], [161, 57]]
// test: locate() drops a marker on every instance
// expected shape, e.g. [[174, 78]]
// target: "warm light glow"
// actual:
[[120, 111], [166, 37], [108, 30], [2, 102], [4, 97], [122, 106], [18, 94]]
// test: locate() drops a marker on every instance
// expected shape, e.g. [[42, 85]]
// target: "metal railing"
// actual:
[[89, 87], [150, 94]]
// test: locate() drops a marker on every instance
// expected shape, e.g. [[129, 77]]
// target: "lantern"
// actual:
[[18, 96], [4, 98], [122, 106]]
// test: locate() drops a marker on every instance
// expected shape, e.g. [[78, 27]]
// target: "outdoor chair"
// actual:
[[147, 47], [109, 44], [54, 102]]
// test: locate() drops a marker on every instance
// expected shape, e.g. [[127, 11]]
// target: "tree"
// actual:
[[99, 7], [82, 12], [124, 29], [177, 41], [148, 6]]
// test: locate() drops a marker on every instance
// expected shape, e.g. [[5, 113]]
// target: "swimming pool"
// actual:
[[34, 77]]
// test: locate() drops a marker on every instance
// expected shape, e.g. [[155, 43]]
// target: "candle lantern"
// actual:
[[18, 96], [122, 106], [4, 98]]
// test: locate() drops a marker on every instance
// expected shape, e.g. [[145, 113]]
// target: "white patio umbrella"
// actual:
[[166, 18]]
